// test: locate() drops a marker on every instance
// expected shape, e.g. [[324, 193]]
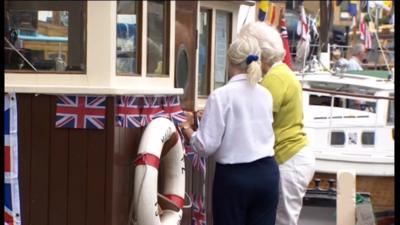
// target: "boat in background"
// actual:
[[349, 121]]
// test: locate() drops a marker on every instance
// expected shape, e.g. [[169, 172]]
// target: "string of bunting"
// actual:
[[89, 112], [12, 215]]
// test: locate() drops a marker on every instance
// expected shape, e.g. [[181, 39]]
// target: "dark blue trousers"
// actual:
[[246, 193]]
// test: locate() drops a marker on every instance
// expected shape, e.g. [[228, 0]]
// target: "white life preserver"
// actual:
[[160, 145]]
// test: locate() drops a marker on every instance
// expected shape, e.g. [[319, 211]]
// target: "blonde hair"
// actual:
[[238, 53], [268, 38]]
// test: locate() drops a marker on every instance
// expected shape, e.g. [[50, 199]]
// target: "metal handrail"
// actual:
[[346, 94]]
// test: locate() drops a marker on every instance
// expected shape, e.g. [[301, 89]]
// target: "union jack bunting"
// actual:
[[128, 112], [80, 112], [284, 35], [198, 162], [198, 210], [152, 109], [11, 186], [173, 109]]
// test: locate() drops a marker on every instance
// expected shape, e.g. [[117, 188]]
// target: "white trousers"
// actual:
[[295, 175]]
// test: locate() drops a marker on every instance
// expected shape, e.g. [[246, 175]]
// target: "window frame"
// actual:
[[166, 41], [139, 50], [362, 138], [53, 6], [209, 49], [229, 29], [390, 107], [337, 145]]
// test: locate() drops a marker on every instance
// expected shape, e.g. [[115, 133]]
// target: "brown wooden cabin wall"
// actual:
[[81, 176], [63, 172]]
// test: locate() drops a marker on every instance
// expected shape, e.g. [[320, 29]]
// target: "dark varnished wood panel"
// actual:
[[58, 181], [111, 145], [77, 179], [40, 129], [123, 176], [96, 165], [24, 102]]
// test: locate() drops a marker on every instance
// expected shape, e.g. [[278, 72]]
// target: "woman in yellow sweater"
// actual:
[[296, 163]]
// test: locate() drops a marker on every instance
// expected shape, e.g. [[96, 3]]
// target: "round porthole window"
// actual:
[[182, 68]]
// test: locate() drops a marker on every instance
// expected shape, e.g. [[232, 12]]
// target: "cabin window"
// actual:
[[45, 36], [338, 138], [204, 51], [325, 101], [182, 68], [128, 46], [368, 138], [390, 117], [362, 105], [356, 104], [222, 41], [157, 38]]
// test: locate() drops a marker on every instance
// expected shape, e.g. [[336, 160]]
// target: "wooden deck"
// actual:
[[381, 189]]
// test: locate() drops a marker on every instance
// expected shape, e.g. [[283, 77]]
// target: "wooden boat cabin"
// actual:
[[78, 169]]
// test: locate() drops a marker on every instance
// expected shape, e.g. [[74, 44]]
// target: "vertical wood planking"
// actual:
[[118, 211], [111, 144], [24, 107], [77, 177], [96, 177], [40, 159], [58, 186]]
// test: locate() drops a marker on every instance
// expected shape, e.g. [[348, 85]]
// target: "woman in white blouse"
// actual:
[[237, 130]]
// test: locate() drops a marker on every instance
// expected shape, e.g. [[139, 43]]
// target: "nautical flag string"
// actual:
[[284, 35], [303, 45], [267, 12], [271, 14], [173, 109], [138, 111], [152, 109], [85, 112], [12, 215], [128, 112], [365, 34], [198, 162], [302, 26], [198, 210], [262, 10]]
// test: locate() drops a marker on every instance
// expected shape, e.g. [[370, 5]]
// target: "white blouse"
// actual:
[[237, 123]]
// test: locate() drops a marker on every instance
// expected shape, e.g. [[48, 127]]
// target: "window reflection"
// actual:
[[44, 40], [127, 60], [390, 117], [222, 40], [157, 40], [204, 32]]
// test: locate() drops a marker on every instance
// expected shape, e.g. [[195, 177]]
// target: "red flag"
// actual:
[[365, 35], [285, 40]]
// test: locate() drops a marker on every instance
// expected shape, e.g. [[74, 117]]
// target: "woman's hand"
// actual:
[[189, 120], [200, 114]]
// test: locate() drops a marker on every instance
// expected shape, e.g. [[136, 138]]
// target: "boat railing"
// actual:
[[347, 95], [339, 93]]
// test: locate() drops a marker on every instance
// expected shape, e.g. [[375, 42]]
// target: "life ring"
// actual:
[[160, 145]]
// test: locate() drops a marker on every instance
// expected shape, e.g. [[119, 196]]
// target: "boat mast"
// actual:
[[326, 19]]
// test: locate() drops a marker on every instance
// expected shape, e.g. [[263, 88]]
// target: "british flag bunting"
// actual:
[[84, 112], [172, 107], [12, 215], [128, 112]]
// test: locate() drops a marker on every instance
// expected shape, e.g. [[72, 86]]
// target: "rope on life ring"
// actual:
[[160, 147]]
